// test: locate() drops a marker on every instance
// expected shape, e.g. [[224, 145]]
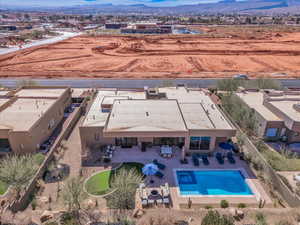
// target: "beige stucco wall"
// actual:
[[28, 141]]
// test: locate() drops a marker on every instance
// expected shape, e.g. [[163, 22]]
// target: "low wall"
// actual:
[[67, 128], [291, 198]]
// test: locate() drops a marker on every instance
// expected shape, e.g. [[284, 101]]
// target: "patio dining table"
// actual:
[[166, 150]]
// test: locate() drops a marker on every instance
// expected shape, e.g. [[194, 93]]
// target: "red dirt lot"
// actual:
[[157, 56]]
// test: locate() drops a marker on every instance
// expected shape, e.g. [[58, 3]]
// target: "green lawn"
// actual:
[[3, 188], [99, 183]]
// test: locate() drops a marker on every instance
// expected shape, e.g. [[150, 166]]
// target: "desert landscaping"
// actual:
[[215, 53]]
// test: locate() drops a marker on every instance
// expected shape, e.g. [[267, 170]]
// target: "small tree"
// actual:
[[124, 184], [214, 218], [73, 194], [17, 171]]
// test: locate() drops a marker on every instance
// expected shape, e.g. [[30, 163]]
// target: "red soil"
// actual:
[[185, 56]]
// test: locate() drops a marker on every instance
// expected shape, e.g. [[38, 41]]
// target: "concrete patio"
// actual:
[[178, 201]]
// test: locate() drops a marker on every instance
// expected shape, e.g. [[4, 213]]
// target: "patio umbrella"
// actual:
[[150, 169], [226, 146]]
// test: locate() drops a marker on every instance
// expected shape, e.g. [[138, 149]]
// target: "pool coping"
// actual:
[[252, 186]]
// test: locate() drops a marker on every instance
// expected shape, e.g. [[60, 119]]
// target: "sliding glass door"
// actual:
[[199, 143]]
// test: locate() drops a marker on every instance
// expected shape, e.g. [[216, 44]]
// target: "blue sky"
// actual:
[[115, 2]]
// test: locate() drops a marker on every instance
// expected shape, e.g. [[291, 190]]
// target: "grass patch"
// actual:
[[3, 188], [99, 184]]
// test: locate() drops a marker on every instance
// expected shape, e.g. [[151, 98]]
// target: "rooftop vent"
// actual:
[[147, 113]]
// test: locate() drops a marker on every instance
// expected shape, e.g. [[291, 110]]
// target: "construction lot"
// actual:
[[218, 53]]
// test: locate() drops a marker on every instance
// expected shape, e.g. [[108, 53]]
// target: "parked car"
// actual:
[[241, 76]]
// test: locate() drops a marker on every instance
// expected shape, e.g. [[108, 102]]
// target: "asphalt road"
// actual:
[[131, 83], [63, 36]]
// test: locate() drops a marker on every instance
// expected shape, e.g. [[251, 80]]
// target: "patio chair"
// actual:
[[219, 157], [166, 200], [159, 174], [195, 160], [159, 165], [205, 160], [144, 202], [159, 201], [230, 158], [151, 201]]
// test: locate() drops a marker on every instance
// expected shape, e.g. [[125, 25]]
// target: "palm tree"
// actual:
[[124, 184]]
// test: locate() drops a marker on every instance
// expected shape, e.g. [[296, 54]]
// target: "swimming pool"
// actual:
[[212, 182]]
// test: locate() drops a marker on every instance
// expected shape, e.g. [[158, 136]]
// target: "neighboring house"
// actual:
[[277, 113], [163, 116], [28, 117]]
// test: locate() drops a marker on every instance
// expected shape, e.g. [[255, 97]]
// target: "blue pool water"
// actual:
[[212, 182]]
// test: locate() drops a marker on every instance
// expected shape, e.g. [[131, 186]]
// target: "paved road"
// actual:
[[63, 36], [131, 83]]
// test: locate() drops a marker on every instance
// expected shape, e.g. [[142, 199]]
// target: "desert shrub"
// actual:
[[224, 204], [214, 218], [242, 205], [208, 207], [284, 222], [260, 219], [157, 220]]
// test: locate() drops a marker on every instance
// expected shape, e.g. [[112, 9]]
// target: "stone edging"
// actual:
[[104, 195]]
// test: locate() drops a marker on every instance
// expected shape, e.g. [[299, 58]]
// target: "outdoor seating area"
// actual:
[[151, 197], [166, 151], [108, 153]]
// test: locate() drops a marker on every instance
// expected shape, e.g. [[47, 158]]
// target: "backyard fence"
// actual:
[[250, 149], [67, 128]]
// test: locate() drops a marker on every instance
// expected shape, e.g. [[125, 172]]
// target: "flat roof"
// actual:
[[78, 92], [287, 108], [3, 101], [41, 92], [200, 116], [145, 115], [3, 93], [24, 113], [255, 100], [182, 95], [96, 117], [109, 100]]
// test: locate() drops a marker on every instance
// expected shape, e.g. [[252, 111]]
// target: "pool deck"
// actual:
[[173, 164]]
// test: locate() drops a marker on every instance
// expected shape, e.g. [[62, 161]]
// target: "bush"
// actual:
[[242, 205], [260, 219], [224, 204], [38, 158], [208, 207], [214, 218]]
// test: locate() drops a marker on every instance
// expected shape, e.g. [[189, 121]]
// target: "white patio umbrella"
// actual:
[[150, 169]]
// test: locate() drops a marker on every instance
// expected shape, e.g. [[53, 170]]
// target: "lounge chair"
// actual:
[[159, 165], [159, 174], [195, 160], [230, 158], [205, 160], [219, 157]]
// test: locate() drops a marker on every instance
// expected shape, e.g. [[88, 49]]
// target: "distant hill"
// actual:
[[224, 6]]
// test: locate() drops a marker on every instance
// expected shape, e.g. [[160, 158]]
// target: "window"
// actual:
[[271, 132], [126, 142], [199, 143]]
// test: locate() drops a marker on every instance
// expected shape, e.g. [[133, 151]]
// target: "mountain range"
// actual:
[[224, 7]]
